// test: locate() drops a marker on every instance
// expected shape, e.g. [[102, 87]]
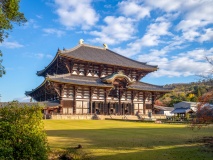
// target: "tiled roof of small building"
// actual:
[[104, 56]]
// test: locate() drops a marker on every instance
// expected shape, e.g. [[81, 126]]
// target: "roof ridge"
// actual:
[[71, 49], [80, 45]]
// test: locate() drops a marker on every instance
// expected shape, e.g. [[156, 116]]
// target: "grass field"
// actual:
[[116, 140]]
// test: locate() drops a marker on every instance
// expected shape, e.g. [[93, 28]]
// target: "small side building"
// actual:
[[167, 111], [185, 109]]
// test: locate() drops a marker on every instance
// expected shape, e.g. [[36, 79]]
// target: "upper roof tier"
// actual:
[[99, 55]]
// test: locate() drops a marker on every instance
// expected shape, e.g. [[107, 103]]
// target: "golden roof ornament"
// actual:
[[105, 46], [81, 41]]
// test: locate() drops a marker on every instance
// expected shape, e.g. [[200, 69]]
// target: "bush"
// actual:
[[22, 135]]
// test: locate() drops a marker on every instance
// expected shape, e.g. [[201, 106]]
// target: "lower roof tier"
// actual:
[[93, 82]]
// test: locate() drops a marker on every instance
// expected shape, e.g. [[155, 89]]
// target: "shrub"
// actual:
[[22, 133]]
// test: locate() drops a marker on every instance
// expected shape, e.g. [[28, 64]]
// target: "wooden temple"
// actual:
[[88, 79]]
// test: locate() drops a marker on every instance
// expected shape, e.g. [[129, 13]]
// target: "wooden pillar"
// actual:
[[61, 89], [108, 108], [153, 101], [90, 100], [74, 99], [105, 101], [144, 103], [119, 101], [132, 102]]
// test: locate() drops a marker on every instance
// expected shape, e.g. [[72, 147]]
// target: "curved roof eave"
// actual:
[[145, 63], [39, 73], [27, 93]]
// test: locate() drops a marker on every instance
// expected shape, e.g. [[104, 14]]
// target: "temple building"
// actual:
[[89, 79]]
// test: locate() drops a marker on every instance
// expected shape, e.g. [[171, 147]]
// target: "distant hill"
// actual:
[[185, 92]]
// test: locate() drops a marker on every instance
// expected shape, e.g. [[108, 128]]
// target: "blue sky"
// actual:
[[176, 35]]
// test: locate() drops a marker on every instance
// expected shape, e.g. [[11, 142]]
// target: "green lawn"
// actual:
[[115, 140]]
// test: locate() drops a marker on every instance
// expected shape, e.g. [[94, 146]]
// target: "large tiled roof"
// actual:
[[104, 56]]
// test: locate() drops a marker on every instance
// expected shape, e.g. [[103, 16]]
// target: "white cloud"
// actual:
[[151, 38], [12, 44], [134, 8], [184, 64], [207, 36], [74, 13], [116, 30], [195, 17], [53, 31]]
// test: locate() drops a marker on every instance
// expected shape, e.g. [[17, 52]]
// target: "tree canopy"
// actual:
[[9, 15], [22, 134]]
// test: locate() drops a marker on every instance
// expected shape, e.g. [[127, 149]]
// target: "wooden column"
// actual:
[[133, 94], [90, 100], [144, 103], [105, 101], [74, 99], [119, 101], [153, 101], [106, 110], [61, 94]]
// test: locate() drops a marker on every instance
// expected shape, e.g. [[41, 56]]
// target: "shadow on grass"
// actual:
[[176, 153], [133, 143]]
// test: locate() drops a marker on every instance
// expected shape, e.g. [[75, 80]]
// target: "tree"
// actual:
[[22, 133], [2, 70], [9, 14], [204, 114]]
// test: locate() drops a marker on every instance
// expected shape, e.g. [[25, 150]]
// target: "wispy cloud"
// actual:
[[11, 44], [31, 23], [38, 55], [53, 31]]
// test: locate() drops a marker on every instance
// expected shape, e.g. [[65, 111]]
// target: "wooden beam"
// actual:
[[69, 65]]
